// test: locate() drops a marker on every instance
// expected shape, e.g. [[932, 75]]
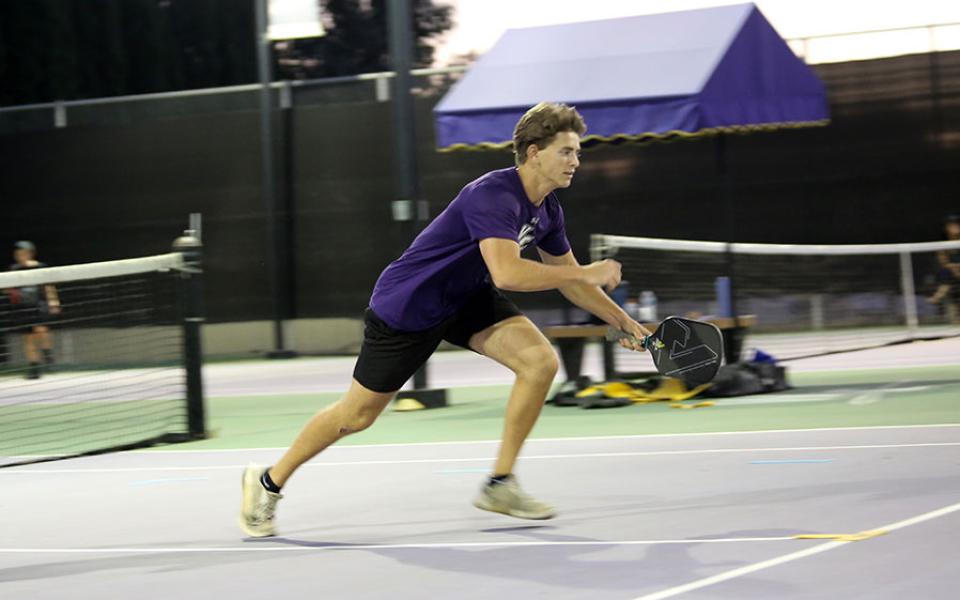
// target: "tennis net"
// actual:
[[108, 368], [807, 300]]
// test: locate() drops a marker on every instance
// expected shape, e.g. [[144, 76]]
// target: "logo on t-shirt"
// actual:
[[527, 233]]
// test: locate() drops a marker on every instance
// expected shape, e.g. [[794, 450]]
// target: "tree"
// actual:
[[357, 39], [70, 49]]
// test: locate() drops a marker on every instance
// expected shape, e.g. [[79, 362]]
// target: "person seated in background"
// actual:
[[32, 306], [948, 274]]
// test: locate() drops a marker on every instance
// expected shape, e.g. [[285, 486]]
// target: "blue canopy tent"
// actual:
[[653, 76], [690, 73]]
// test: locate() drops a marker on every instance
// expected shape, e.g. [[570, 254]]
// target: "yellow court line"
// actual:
[[843, 537], [779, 560]]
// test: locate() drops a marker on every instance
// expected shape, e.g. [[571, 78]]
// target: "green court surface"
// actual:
[[57, 428], [848, 398]]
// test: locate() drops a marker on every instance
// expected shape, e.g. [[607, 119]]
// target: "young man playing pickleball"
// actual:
[[445, 287]]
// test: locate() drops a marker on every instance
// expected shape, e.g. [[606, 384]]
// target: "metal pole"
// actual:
[[196, 225], [192, 320], [936, 107], [268, 182], [401, 47], [404, 124], [733, 338], [285, 200], [909, 293], [408, 205]]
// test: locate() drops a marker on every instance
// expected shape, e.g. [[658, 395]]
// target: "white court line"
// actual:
[[798, 362], [766, 564], [775, 399], [567, 439], [262, 547], [512, 544], [873, 395], [412, 461]]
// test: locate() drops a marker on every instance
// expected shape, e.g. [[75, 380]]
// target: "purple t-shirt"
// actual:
[[443, 267]]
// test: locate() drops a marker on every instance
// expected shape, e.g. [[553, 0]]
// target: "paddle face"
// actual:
[[685, 349]]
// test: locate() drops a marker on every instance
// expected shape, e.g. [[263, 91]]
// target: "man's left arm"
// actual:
[[595, 301]]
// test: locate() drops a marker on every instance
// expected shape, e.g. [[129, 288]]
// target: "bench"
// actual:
[[571, 340]]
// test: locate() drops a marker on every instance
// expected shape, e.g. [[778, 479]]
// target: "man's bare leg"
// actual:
[[32, 354], [44, 342], [44, 337], [517, 344], [354, 412], [942, 290], [30, 351]]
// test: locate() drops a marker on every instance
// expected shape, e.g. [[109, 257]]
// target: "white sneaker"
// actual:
[[259, 505], [507, 498]]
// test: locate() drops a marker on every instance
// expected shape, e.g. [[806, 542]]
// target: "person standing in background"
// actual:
[[948, 273], [32, 307]]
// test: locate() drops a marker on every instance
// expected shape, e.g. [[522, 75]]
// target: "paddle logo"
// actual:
[[688, 352]]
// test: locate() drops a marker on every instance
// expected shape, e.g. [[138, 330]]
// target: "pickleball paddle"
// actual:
[[685, 349]]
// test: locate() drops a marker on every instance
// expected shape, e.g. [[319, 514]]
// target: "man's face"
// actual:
[[22, 255], [558, 161], [953, 230]]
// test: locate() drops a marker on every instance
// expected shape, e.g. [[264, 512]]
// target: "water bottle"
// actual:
[[648, 306], [632, 308]]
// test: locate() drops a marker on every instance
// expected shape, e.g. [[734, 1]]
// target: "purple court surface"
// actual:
[[717, 515]]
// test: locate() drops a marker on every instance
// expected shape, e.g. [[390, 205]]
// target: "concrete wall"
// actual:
[[308, 336], [106, 347]]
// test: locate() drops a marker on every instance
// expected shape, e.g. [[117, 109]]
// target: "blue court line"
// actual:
[[167, 480], [791, 461]]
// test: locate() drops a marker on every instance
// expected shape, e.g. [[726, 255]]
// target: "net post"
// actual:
[[909, 293], [191, 290]]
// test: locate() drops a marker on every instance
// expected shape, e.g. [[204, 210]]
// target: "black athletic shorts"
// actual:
[[389, 357], [24, 318]]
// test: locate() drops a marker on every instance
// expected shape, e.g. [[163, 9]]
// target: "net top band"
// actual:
[[645, 243], [98, 270]]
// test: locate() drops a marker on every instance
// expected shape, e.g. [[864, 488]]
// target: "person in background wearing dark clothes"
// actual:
[[948, 274], [32, 307]]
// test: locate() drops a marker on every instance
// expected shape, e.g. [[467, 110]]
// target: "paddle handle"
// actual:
[[615, 335]]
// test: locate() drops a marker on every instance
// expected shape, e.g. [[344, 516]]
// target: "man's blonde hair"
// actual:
[[541, 124]]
